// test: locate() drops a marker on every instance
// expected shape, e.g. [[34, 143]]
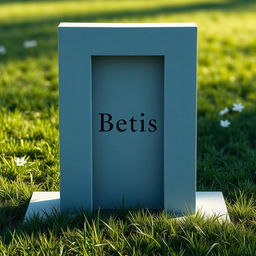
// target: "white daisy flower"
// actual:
[[30, 44], [238, 107], [20, 161], [224, 111], [3, 50], [225, 123]]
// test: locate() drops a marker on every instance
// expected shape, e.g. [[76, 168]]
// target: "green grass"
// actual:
[[29, 127]]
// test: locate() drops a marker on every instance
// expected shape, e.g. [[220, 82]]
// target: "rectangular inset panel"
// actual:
[[127, 131]]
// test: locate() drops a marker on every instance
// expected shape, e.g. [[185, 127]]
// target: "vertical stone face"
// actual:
[[128, 116], [127, 163]]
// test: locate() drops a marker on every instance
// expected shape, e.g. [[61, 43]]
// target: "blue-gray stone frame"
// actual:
[[177, 43]]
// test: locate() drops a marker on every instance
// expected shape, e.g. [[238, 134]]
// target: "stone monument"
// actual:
[[128, 120]]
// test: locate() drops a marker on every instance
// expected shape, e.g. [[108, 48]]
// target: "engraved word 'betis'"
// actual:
[[107, 124]]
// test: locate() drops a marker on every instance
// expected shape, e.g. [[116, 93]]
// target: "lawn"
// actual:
[[29, 127]]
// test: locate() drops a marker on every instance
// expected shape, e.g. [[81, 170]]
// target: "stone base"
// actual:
[[208, 204], [212, 204]]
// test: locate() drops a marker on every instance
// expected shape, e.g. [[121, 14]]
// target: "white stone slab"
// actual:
[[207, 203], [212, 204], [43, 202]]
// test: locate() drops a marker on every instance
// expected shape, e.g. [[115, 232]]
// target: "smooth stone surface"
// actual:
[[209, 204], [121, 176], [117, 69], [42, 203], [212, 204]]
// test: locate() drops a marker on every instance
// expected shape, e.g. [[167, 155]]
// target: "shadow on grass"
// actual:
[[226, 155], [58, 223], [45, 30], [10, 215]]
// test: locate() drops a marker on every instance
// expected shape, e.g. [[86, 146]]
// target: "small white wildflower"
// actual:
[[238, 107], [30, 44], [3, 50], [20, 161], [225, 123], [224, 111]]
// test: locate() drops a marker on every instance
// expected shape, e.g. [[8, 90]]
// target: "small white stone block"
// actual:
[[212, 204], [207, 203], [43, 202]]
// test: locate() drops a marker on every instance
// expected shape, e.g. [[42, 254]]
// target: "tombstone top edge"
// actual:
[[125, 25]]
